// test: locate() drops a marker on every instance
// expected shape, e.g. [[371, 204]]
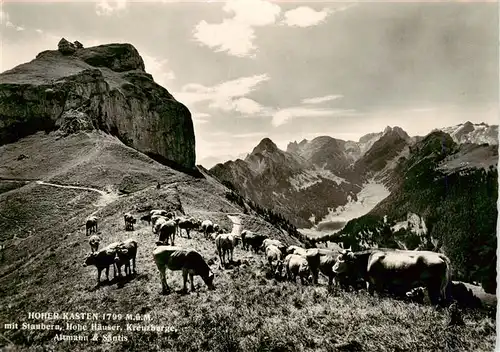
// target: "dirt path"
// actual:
[[105, 199], [72, 187], [237, 226]]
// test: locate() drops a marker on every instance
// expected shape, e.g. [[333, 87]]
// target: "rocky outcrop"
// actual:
[[65, 47], [103, 87]]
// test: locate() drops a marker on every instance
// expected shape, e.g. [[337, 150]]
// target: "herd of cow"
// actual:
[[403, 273]]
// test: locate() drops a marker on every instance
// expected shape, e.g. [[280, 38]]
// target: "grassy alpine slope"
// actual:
[[43, 229]]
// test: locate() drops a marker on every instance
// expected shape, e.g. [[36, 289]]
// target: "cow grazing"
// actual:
[[276, 243], [167, 230], [94, 241], [102, 260], [156, 214], [275, 259], [155, 219], [297, 265], [326, 264], [91, 225], [225, 244], [320, 259], [126, 252], [159, 212], [399, 271], [252, 239], [186, 224], [207, 227], [129, 222], [188, 260]]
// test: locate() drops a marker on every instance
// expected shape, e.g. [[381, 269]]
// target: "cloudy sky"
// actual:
[[287, 70]]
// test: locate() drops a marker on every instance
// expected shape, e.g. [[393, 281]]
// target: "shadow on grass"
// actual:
[[120, 281]]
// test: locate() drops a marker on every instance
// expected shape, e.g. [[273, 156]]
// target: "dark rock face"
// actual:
[[103, 87], [65, 47], [117, 57]]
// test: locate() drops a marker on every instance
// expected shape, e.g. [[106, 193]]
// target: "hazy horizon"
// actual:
[[249, 69]]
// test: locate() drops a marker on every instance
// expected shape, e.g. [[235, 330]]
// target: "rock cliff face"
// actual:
[[103, 87]]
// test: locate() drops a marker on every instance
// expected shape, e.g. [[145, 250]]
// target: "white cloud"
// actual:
[[227, 96], [231, 36], [319, 100], [243, 105], [284, 115], [253, 12], [108, 7], [39, 31], [235, 35], [305, 17]]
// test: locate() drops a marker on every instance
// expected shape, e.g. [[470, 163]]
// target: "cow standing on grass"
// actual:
[[102, 260], [126, 252], [225, 244], [252, 240], [297, 265], [129, 222], [94, 241], [267, 242], [275, 259], [399, 270], [207, 227], [166, 230], [91, 225], [188, 260], [187, 224]]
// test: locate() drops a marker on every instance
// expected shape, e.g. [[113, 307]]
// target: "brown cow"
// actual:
[[188, 260], [297, 265], [399, 270], [102, 260], [91, 225], [126, 251]]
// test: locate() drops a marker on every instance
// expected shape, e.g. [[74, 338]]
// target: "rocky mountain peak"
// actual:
[[103, 87], [265, 145], [396, 131], [467, 128]]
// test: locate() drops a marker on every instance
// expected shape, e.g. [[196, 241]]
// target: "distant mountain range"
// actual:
[[445, 200], [314, 178]]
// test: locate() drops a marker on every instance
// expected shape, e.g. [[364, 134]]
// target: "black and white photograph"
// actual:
[[249, 175]]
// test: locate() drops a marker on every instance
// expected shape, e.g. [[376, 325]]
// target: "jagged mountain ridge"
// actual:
[[331, 171], [284, 182], [103, 87], [473, 133]]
